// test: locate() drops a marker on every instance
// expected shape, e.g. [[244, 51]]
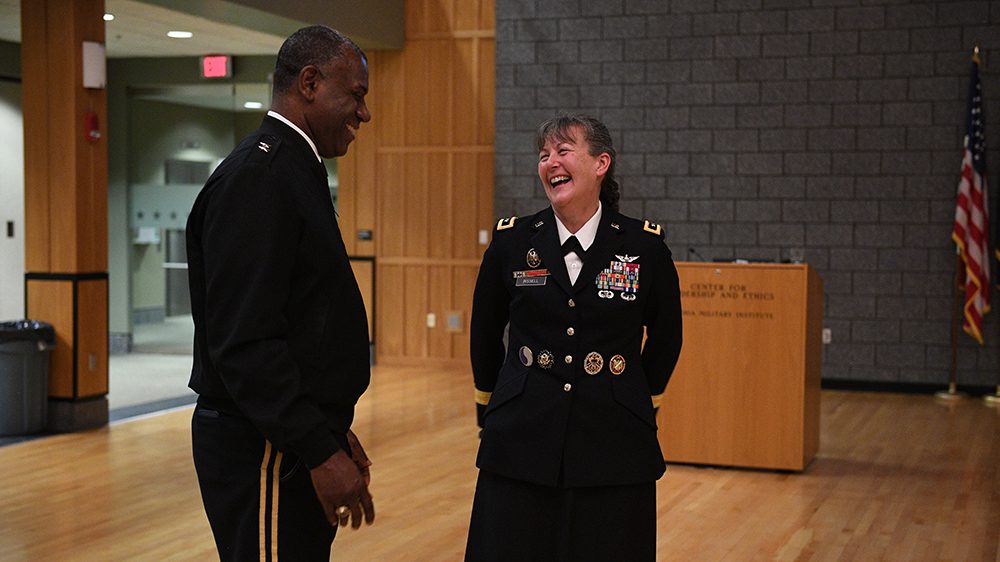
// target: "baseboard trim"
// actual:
[[902, 387]]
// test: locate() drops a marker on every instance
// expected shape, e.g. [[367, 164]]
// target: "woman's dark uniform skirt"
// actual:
[[519, 521]]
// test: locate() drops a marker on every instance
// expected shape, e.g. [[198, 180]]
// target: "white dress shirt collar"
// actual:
[[281, 118], [587, 232]]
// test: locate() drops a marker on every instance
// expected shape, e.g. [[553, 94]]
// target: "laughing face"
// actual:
[[338, 104], [570, 174]]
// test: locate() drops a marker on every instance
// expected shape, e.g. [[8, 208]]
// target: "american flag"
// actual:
[[972, 222]]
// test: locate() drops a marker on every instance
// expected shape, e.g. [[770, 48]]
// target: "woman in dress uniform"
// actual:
[[569, 456]]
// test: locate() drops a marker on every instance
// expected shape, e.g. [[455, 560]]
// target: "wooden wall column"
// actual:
[[420, 178], [65, 194]]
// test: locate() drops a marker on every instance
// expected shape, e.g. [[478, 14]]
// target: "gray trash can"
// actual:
[[24, 376]]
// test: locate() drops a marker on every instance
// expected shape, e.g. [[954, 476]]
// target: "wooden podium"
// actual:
[[745, 392]]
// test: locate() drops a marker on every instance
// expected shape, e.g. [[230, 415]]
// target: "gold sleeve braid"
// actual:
[[657, 400], [483, 398]]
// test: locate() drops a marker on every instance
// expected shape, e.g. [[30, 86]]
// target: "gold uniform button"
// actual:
[[570, 331], [568, 359], [571, 303], [567, 387]]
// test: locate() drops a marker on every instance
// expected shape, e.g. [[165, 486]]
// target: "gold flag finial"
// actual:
[[975, 53]]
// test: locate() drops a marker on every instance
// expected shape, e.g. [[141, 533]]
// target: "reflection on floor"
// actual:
[[152, 378], [155, 375]]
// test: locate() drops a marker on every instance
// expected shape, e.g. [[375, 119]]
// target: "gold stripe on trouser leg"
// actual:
[[270, 473], [275, 487], [262, 516]]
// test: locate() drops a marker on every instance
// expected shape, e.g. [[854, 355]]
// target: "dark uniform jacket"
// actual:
[[281, 333], [547, 419]]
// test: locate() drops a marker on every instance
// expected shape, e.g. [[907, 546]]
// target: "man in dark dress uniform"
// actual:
[[281, 351], [569, 454]]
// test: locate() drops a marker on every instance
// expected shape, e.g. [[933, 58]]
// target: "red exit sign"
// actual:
[[216, 66]]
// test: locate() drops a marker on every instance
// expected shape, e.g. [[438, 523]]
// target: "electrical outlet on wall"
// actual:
[[454, 321], [431, 320], [827, 335]]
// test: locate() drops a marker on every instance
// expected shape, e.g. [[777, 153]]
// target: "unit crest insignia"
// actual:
[[616, 365], [593, 363], [534, 260]]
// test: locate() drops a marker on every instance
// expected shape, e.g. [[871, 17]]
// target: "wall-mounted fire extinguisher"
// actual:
[[91, 127]]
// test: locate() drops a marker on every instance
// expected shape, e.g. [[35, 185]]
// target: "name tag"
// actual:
[[529, 281]]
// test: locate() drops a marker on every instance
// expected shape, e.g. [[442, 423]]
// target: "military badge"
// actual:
[[546, 359], [622, 277], [525, 355], [593, 363], [534, 260], [504, 224], [616, 365]]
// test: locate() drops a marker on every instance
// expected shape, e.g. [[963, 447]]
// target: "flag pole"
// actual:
[[990, 399], [956, 311]]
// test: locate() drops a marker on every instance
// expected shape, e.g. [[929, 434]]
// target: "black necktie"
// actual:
[[573, 245]]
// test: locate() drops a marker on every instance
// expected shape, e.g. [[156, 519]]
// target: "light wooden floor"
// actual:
[[898, 478]]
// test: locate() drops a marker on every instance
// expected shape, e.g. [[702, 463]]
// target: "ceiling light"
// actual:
[[253, 105], [109, 17], [180, 34]]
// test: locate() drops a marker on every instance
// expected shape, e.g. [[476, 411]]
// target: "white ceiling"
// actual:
[[140, 30], [140, 27]]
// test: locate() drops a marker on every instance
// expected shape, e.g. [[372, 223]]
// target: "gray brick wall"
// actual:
[[751, 128]]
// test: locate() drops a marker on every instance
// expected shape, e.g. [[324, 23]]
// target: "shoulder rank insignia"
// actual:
[[266, 143], [504, 224], [652, 228]]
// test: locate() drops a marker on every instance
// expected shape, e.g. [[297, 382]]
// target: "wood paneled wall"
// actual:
[[65, 175], [420, 176], [66, 200]]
